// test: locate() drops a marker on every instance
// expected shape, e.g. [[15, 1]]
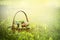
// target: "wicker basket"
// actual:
[[23, 24]]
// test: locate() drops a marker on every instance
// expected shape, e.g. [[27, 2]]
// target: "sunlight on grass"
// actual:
[[43, 15]]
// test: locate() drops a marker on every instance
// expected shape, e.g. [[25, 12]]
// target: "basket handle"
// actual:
[[16, 14]]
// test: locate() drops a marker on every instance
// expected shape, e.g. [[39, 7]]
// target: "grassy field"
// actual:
[[43, 15], [37, 32]]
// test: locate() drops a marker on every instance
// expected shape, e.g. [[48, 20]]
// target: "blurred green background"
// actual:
[[43, 15]]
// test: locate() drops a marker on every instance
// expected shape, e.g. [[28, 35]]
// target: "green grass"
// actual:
[[36, 33]]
